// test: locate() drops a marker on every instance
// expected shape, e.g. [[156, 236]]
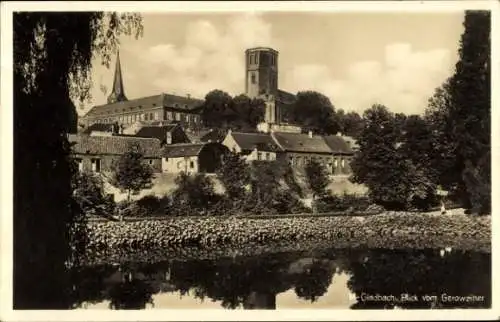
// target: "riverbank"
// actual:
[[387, 230]]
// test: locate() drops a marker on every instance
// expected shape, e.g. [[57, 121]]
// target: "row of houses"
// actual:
[[333, 151], [168, 149]]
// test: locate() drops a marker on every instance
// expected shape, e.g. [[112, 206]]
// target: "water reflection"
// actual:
[[357, 279]]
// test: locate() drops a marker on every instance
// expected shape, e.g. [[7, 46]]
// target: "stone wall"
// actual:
[[388, 230]]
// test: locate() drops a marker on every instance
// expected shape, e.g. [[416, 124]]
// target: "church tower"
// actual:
[[117, 93], [261, 79]]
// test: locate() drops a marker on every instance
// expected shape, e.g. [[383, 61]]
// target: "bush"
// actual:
[[345, 202]]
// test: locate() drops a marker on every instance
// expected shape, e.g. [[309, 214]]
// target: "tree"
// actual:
[[130, 173], [314, 111], [89, 194], [317, 179], [249, 112], [52, 62], [216, 109], [461, 112], [351, 124], [194, 192], [380, 164], [220, 110], [234, 175]]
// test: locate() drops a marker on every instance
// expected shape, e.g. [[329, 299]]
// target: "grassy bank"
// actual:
[[388, 230]]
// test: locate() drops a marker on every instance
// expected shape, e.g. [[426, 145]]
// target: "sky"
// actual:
[[356, 59]]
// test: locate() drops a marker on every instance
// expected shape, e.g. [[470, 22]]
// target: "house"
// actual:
[[98, 153], [300, 148], [101, 129], [252, 146], [192, 157], [214, 135], [162, 107], [353, 144], [172, 133], [341, 153]]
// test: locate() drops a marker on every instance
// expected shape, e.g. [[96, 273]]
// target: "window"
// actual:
[[150, 162], [191, 164], [335, 163], [342, 163], [177, 116], [80, 164], [151, 116], [259, 156], [169, 115], [268, 157], [96, 165], [253, 78]]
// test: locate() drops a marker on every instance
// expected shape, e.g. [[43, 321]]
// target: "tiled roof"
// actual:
[[101, 127], [182, 150], [158, 132], [146, 103], [286, 97], [337, 144], [215, 135], [181, 102], [300, 142], [114, 145], [351, 141], [250, 141]]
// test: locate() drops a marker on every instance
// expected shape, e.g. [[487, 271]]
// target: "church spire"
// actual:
[[117, 94]]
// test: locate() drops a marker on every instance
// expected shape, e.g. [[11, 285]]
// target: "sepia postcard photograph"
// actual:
[[249, 160]]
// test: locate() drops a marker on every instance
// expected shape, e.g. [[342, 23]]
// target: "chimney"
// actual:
[[169, 138], [310, 134], [229, 132]]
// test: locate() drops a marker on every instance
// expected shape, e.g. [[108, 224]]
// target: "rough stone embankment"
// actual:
[[388, 230]]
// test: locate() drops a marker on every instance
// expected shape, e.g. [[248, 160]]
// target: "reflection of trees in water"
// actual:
[[314, 281], [130, 295], [420, 273], [253, 282], [90, 284]]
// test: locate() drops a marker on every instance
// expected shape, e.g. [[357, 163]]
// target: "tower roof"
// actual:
[[117, 94], [262, 49]]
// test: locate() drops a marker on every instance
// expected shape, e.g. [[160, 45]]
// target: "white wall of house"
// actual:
[[101, 133], [177, 165], [231, 144], [261, 156]]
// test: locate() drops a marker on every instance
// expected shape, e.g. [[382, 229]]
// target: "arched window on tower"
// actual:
[[253, 78]]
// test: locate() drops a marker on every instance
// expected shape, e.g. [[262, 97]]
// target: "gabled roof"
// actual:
[[158, 132], [353, 144], [250, 141], [300, 142], [337, 144], [285, 97], [182, 150], [100, 127], [187, 104], [114, 145], [215, 135]]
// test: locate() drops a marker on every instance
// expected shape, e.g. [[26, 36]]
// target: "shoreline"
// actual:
[[386, 230]]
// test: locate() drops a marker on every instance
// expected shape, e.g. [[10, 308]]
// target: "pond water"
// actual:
[[322, 278]]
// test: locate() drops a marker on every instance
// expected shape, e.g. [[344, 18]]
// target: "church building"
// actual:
[[261, 81], [184, 110]]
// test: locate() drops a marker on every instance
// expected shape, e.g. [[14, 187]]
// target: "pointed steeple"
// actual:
[[117, 94]]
